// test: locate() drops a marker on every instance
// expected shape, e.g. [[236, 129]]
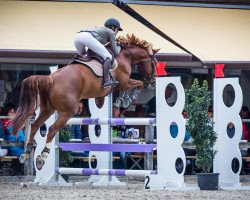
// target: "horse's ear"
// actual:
[[155, 51]]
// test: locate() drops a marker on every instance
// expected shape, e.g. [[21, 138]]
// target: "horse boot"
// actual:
[[24, 157], [107, 81], [40, 160]]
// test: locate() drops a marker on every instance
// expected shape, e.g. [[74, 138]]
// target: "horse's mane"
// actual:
[[132, 39]]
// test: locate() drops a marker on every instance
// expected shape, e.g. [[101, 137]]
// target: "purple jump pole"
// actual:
[[110, 172], [112, 121], [107, 147]]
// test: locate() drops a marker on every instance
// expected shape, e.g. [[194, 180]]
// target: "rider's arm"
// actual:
[[114, 47]]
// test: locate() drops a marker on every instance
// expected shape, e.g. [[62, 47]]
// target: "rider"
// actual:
[[95, 39]]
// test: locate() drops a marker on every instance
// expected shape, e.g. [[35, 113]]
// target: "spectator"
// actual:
[[151, 112], [9, 105], [1, 127], [210, 112], [170, 94], [3, 152], [122, 112], [119, 131], [85, 113], [9, 112], [244, 113], [115, 111], [13, 150], [1, 130], [75, 130], [140, 112], [184, 114], [230, 130]]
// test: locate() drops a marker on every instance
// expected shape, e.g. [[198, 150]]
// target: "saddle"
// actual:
[[90, 55], [93, 61]]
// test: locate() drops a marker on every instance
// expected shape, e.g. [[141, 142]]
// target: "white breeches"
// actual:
[[83, 39]]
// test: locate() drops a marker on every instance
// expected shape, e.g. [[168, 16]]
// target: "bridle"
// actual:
[[151, 59]]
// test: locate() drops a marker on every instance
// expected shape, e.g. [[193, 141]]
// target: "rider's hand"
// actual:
[[122, 45]]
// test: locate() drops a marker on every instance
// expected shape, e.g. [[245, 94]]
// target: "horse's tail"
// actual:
[[29, 100]]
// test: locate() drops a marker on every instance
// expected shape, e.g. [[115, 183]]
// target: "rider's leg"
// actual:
[[86, 38], [106, 81], [80, 47]]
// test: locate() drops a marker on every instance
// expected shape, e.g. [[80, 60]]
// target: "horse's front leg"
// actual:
[[132, 96], [122, 99], [136, 87], [135, 94]]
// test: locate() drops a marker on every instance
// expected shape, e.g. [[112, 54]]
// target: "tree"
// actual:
[[200, 126], [65, 157]]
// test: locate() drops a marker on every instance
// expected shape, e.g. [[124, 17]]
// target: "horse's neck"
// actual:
[[125, 57], [124, 65]]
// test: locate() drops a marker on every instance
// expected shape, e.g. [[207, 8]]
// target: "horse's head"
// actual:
[[142, 57], [146, 65]]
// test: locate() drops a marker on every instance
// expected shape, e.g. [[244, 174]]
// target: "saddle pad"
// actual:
[[96, 66]]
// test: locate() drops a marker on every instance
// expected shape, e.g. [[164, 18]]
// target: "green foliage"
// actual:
[[200, 126], [65, 157]]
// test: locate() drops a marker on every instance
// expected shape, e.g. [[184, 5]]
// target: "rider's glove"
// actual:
[[122, 45]]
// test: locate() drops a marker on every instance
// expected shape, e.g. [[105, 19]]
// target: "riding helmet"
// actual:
[[113, 22]]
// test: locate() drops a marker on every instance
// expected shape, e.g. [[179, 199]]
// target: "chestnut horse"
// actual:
[[62, 90]]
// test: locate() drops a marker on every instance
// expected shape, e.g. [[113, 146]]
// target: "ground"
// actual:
[[10, 188]]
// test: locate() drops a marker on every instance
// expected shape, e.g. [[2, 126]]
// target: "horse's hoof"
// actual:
[[118, 102], [151, 85], [126, 103], [23, 158], [39, 162]]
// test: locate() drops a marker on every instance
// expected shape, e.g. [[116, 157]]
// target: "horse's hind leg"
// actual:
[[53, 129], [43, 116]]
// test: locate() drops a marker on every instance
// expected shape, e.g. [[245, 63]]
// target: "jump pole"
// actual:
[[112, 121], [109, 172]]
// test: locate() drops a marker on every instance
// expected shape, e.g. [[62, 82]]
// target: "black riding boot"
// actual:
[[107, 81]]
